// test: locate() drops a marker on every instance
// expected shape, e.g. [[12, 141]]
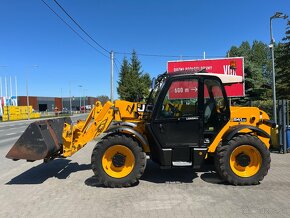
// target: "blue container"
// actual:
[[288, 137]]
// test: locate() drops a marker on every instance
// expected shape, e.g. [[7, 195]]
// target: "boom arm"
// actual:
[[98, 121]]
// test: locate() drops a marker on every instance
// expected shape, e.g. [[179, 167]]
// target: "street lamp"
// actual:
[[84, 94], [27, 98], [70, 104], [80, 97], [276, 15], [1, 94]]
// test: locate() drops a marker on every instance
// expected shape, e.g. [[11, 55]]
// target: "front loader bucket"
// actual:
[[41, 140]]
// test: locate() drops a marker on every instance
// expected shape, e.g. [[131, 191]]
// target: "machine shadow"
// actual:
[[154, 174], [213, 178], [59, 168]]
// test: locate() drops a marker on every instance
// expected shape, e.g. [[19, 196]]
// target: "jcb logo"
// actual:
[[141, 107], [240, 119]]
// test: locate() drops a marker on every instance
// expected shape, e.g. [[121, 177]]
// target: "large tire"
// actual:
[[216, 163], [243, 160], [118, 161]]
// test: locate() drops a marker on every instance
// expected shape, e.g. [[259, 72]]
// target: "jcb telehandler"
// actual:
[[186, 120]]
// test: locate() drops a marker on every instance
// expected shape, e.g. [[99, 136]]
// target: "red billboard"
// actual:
[[228, 66]]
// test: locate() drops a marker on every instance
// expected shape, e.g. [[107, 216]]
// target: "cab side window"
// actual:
[[214, 103], [181, 100]]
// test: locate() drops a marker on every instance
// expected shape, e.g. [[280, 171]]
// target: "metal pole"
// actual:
[[80, 97], [0, 86], [70, 106], [273, 73], [6, 88], [284, 126], [16, 91], [112, 75], [10, 87], [274, 85], [27, 99], [61, 99], [84, 100]]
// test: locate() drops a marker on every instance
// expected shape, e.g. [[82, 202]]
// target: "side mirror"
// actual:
[[153, 83]]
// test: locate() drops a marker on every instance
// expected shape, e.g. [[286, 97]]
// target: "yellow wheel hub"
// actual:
[[245, 161], [118, 161]]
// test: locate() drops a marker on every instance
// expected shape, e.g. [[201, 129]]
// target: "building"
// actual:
[[50, 103]]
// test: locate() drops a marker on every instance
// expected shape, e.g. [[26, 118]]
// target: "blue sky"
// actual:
[[32, 35]]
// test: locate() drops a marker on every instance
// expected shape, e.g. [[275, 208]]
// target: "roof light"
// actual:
[[233, 65]]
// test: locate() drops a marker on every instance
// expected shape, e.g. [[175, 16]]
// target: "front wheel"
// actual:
[[118, 161], [243, 160]]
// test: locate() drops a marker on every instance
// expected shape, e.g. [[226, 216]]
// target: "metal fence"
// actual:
[[284, 128]]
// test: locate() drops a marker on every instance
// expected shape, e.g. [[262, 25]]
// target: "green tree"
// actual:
[[256, 68], [133, 85], [103, 99], [283, 66], [122, 88]]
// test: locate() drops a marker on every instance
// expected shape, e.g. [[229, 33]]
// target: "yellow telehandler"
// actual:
[[186, 120]]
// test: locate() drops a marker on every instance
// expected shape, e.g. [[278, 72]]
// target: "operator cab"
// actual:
[[184, 114]]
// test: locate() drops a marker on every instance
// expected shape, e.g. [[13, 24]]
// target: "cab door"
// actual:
[[177, 122]]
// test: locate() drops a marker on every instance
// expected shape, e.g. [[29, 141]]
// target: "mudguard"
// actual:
[[236, 129], [126, 129]]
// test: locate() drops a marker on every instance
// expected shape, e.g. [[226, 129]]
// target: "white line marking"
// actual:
[[1, 130], [12, 133], [7, 140]]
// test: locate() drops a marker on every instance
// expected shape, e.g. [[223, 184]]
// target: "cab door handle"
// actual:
[[161, 127]]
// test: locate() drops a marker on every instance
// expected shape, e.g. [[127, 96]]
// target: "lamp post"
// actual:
[[1, 93], [70, 104], [84, 94], [80, 97], [276, 15], [27, 97]]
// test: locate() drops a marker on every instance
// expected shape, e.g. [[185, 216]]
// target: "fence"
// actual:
[[284, 128]]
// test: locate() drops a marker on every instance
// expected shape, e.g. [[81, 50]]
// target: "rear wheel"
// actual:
[[244, 160], [118, 161]]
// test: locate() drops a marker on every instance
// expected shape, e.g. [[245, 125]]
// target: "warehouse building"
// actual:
[[42, 104]]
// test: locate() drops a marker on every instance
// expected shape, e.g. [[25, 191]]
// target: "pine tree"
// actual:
[[133, 85], [123, 79]]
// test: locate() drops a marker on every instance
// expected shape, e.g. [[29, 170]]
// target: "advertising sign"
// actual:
[[228, 66]]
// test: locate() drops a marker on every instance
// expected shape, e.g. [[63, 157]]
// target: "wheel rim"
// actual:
[[245, 161], [118, 161]]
